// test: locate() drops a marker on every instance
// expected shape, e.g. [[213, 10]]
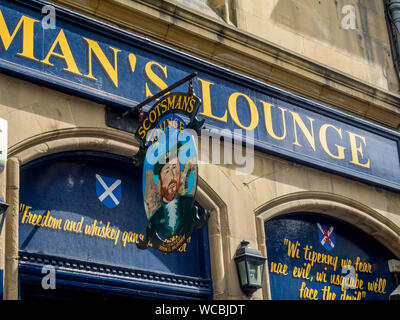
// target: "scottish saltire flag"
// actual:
[[108, 190], [326, 236]]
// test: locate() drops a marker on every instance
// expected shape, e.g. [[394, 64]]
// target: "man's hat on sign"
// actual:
[[167, 156]]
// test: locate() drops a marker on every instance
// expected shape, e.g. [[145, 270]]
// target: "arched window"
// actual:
[[81, 214], [315, 257]]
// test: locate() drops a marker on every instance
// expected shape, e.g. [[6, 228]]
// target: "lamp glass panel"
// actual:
[[2, 218], [242, 272], [255, 272]]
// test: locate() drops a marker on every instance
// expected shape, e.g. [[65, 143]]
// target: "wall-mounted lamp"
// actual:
[[394, 267], [3, 210], [250, 265]]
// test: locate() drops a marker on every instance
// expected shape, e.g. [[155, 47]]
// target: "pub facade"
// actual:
[[295, 157]]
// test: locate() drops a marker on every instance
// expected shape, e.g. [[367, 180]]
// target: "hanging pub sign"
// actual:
[[170, 171]]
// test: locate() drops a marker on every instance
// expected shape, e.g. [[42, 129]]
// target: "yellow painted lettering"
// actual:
[[25, 216], [66, 54], [308, 134], [144, 124], [111, 71], [308, 293], [232, 106], [268, 121], [206, 97], [279, 268], [357, 149], [28, 25], [324, 143], [154, 78], [171, 102]]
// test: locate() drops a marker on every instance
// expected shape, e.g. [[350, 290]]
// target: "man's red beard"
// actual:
[[171, 191]]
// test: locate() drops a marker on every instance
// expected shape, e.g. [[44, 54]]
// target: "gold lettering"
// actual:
[[306, 293], [357, 150], [25, 216], [110, 71], [142, 132], [309, 135], [324, 143], [66, 54], [191, 105], [279, 268], [28, 25], [362, 266], [232, 106], [132, 62], [206, 97], [171, 102], [186, 102], [268, 121], [153, 77], [377, 286], [152, 116], [178, 103], [144, 126]]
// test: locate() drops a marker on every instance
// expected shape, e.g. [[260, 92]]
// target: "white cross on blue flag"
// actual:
[[108, 190]]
